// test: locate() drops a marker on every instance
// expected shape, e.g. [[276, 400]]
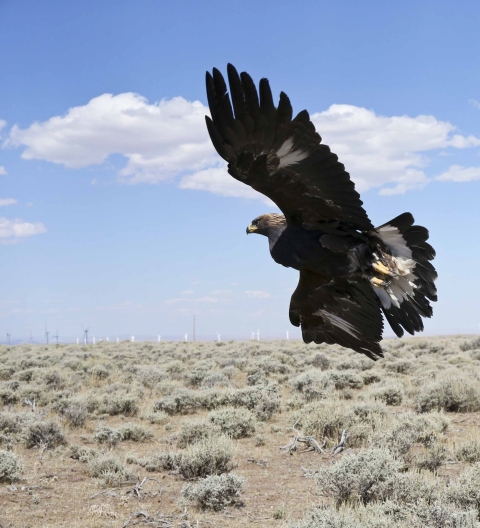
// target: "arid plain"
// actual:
[[235, 434]]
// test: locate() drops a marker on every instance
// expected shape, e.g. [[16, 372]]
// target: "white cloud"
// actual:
[[159, 140], [257, 294], [187, 292], [379, 150], [13, 229], [3, 171], [217, 181], [168, 140], [7, 201], [474, 103], [457, 173]]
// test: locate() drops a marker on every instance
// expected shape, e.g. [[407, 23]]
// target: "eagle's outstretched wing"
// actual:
[[281, 157], [343, 311]]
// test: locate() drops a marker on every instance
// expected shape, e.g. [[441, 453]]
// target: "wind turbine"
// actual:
[[8, 336], [258, 335], [287, 335], [218, 337], [46, 333], [85, 335], [56, 336], [253, 335]]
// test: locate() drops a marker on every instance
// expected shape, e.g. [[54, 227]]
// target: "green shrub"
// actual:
[[82, 453], [433, 458], [47, 434], [108, 435], [114, 405], [156, 417], [320, 361], [313, 385], [149, 377], [260, 440], [263, 401], [135, 433], [451, 395], [470, 345], [100, 372], [109, 470], [410, 428], [215, 492], [210, 456], [236, 423], [344, 379], [465, 492], [75, 414], [364, 476], [193, 431], [469, 452], [11, 466], [181, 401], [9, 396], [390, 395]]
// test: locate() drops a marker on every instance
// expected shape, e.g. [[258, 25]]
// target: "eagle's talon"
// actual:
[[381, 268]]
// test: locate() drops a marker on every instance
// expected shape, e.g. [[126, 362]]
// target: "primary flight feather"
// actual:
[[350, 271]]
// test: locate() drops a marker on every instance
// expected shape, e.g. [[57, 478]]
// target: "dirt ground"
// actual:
[[57, 491]]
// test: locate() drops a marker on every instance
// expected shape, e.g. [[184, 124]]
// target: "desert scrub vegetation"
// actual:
[[109, 470], [205, 421], [215, 492], [236, 423], [11, 466]]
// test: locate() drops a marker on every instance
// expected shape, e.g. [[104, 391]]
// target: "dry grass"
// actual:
[[184, 416]]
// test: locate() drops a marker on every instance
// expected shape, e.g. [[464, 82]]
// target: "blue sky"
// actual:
[[115, 212]]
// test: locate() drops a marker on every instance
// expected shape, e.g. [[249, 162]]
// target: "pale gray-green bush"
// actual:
[[11, 466], [313, 385], [465, 491], [210, 456], [47, 434], [108, 435], [76, 415], [389, 395], [364, 476], [451, 395], [215, 492], [469, 452], [236, 423], [135, 433], [194, 430], [99, 371], [109, 470], [410, 428]]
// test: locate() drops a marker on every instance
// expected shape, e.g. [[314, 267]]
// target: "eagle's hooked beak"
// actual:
[[251, 229]]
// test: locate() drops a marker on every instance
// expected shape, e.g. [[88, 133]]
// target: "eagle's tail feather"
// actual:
[[405, 291]]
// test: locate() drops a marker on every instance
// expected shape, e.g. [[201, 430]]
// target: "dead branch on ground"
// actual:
[[341, 445], [312, 444]]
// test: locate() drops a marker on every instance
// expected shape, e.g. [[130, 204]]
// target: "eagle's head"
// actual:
[[267, 223]]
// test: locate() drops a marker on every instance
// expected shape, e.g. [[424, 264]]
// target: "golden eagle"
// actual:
[[350, 271]]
